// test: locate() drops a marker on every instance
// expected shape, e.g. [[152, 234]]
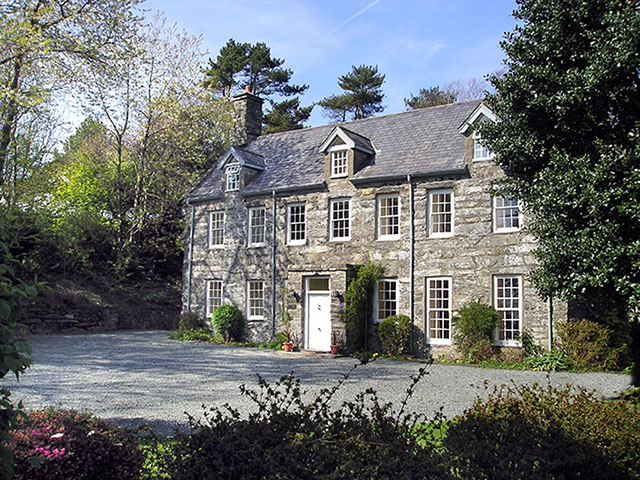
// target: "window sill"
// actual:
[[257, 245], [216, 247], [482, 160], [439, 342], [338, 240], [507, 230], [296, 244], [508, 343], [389, 239], [335, 177], [449, 235]]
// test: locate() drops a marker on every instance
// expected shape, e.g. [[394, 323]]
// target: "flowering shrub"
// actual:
[[67, 445]]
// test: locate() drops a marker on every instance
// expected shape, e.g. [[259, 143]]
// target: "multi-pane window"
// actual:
[[296, 224], [340, 224], [214, 296], [439, 309], [232, 173], [339, 163], [441, 213], [216, 229], [256, 226], [388, 216], [480, 152], [507, 293], [386, 299], [255, 300], [506, 214]]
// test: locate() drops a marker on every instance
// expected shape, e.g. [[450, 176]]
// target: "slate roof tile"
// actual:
[[423, 141]]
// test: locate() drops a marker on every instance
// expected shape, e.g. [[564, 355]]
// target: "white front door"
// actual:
[[318, 321]]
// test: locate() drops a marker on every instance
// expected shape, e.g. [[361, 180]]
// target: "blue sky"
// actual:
[[415, 43]]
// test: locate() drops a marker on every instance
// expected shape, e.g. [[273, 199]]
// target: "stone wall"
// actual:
[[472, 257]]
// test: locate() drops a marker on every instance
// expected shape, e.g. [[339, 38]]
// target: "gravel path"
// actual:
[[142, 377]]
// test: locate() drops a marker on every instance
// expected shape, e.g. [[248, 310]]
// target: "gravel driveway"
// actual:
[[142, 377]]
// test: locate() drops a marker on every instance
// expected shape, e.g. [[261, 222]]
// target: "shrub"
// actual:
[[394, 332], [190, 321], [359, 303], [518, 433], [228, 322], [67, 445], [289, 438], [473, 327], [192, 335], [530, 347], [587, 345], [552, 361]]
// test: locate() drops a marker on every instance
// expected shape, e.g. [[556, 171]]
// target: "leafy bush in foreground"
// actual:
[[67, 445], [533, 432], [394, 332], [288, 438]]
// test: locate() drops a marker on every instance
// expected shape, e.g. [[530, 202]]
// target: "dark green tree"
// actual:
[[430, 97], [568, 138], [363, 97], [286, 115], [240, 65]]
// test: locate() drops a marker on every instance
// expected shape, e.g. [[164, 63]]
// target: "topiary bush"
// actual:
[[57, 444], [588, 345], [473, 327], [393, 333], [518, 432], [228, 322], [190, 321]]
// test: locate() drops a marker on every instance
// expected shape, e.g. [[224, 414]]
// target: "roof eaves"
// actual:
[[387, 178], [288, 189]]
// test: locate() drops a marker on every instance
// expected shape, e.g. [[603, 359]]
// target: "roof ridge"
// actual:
[[342, 124]]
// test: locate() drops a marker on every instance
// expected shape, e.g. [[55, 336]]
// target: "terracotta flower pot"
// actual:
[[335, 349], [287, 346]]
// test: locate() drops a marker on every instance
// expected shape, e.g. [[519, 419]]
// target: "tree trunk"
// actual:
[[10, 116]]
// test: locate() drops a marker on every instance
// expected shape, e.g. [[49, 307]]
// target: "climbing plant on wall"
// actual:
[[359, 303]]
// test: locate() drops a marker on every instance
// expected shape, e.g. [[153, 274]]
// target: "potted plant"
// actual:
[[335, 344], [287, 345]]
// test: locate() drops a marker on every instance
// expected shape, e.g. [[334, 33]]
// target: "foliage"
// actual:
[[290, 438], [394, 333], [190, 320], [286, 115], [569, 139], [228, 322], [518, 431], [154, 451], [587, 345], [65, 444], [247, 65], [363, 97], [359, 303], [473, 326], [551, 361], [530, 347], [430, 98], [14, 348], [192, 335]]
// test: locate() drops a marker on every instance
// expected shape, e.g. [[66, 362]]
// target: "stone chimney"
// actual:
[[247, 118]]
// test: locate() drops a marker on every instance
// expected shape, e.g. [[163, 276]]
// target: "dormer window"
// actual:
[[233, 177], [480, 151], [339, 163]]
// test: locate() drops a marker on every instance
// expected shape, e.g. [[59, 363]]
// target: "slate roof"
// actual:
[[246, 157], [359, 141], [418, 142]]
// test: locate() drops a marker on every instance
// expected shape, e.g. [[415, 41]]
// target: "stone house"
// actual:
[[282, 220]]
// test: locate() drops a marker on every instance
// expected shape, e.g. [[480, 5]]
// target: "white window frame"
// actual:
[[497, 210], [486, 154], [298, 241], [232, 173], [209, 298], [332, 203], [250, 315], [433, 234], [432, 340], [252, 228], [211, 214], [376, 310], [379, 200], [511, 342], [333, 156]]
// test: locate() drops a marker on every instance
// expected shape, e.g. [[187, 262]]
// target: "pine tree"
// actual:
[[430, 98], [286, 115], [363, 94]]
